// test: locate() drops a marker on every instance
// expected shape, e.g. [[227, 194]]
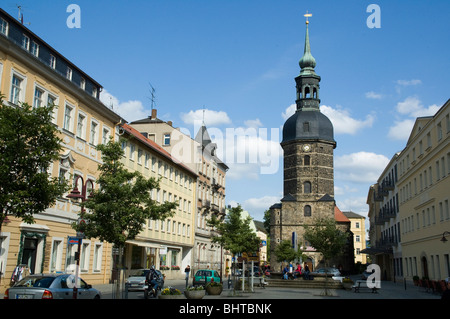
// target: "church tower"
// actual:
[[308, 144]]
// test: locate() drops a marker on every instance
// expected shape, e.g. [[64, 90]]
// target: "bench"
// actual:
[[362, 284]]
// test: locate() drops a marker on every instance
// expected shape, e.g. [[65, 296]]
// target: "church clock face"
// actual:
[[306, 148]]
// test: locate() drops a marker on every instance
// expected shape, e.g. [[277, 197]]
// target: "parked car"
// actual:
[[51, 286], [205, 274], [334, 272], [136, 279]]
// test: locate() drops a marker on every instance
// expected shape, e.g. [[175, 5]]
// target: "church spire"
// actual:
[[307, 62]]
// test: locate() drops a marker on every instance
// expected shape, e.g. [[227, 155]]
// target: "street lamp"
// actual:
[[443, 239], [75, 195]]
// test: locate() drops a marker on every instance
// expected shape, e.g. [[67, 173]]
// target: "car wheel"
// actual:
[[97, 297]]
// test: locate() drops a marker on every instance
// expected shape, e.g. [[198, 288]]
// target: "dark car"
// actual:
[[51, 286]]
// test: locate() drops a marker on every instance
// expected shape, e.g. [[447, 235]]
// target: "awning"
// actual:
[[143, 243], [376, 251]]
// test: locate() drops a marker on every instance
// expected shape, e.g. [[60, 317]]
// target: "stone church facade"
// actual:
[[308, 144]]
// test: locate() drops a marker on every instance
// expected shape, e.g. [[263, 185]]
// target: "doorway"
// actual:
[[29, 253], [425, 267]]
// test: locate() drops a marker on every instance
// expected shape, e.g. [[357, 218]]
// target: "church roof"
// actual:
[[339, 216]]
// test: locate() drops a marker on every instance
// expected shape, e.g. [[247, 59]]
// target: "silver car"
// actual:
[[51, 286], [136, 280]]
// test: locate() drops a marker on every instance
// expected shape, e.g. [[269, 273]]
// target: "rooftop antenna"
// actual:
[[20, 15], [153, 95]]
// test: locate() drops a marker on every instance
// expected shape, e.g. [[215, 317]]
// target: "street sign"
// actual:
[[73, 240]]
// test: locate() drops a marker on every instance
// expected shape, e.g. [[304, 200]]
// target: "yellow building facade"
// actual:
[[424, 183], [32, 72], [358, 228], [165, 244]]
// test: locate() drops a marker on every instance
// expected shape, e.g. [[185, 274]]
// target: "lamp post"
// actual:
[[75, 195], [443, 239]]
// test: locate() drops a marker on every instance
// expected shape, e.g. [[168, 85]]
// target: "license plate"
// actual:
[[24, 296]]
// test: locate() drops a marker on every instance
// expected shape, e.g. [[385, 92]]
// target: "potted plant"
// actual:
[[194, 292], [170, 293], [347, 283], [214, 288]]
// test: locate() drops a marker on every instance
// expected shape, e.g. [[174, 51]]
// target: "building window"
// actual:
[[97, 262], [67, 125], [357, 225], [37, 102], [307, 160], [16, 88], [26, 42], [132, 149], [106, 134], [94, 133], [52, 61], [307, 187], [35, 49], [3, 27], [139, 160], [305, 127], [69, 74], [56, 256], [82, 83], [307, 211], [94, 92], [81, 126], [166, 140]]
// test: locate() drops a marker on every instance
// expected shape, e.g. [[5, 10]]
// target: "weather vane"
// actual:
[[307, 15]]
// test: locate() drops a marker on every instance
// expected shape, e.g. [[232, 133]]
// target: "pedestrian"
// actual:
[[298, 271], [286, 272], [306, 272], [187, 270]]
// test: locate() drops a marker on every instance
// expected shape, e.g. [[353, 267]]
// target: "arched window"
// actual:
[[307, 160], [307, 187], [307, 92], [307, 211]]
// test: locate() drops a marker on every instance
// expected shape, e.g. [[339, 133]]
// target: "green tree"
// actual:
[[285, 252], [234, 233], [266, 221], [29, 143], [121, 205], [326, 238]]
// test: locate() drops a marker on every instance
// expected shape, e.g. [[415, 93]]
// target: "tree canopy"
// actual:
[[121, 205], [234, 232], [326, 238], [29, 143]]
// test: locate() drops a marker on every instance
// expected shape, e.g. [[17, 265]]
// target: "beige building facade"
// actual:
[[358, 228], [166, 244], [33, 72], [409, 206], [424, 183], [199, 155]]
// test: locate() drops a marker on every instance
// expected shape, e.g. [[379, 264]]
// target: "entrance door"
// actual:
[[425, 267], [29, 253]]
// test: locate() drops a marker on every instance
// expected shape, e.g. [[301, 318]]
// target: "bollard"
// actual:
[[127, 285]]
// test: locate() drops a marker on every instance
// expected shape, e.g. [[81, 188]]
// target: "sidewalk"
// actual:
[[389, 290]]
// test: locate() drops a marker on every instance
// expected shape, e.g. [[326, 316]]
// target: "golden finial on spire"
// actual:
[[307, 15]]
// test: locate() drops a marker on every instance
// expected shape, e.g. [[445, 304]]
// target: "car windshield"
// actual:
[[35, 281], [139, 272], [203, 273]]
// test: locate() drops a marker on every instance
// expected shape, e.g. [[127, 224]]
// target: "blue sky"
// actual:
[[237, 59]]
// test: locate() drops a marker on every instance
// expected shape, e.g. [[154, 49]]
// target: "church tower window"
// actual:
[[307, 187], [307, 211]]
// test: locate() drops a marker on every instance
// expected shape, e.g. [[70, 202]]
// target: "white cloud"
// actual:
[[343, 123], [253, 123], [211, 117], [360, 167], [130, 110], [373, 95], [257, 206], [411, 107], [409, 82], [401, 130], [290, 110]]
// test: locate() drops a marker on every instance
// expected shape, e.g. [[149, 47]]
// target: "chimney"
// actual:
[[153, 114], [169, 122]]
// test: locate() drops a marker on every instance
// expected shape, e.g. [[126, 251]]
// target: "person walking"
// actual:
[[187, 270]]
